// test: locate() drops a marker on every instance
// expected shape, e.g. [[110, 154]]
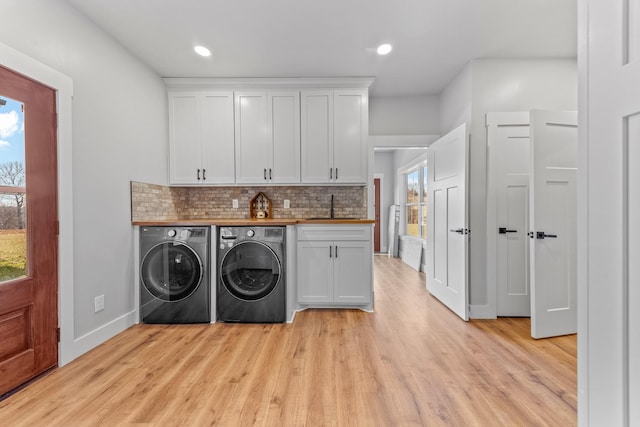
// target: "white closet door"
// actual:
[[447, 223], [554, 148], [508, 212]]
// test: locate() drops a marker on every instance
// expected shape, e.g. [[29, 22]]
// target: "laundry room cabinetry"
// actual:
[[201, 137], [267, 127], [335, 265], [334, 127]]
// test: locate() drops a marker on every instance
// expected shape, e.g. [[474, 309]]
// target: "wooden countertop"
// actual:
[[252, 222]]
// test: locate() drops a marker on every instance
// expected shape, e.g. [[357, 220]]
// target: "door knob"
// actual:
[[541, 235]]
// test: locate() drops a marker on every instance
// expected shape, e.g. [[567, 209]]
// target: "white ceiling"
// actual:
[[432, 39]]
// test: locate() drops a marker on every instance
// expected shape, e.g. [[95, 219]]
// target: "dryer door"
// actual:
[[250, 270], [171, 271]]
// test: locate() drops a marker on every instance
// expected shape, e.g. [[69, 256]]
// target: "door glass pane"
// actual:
[[250, 270], [171, 271], [13, 200]]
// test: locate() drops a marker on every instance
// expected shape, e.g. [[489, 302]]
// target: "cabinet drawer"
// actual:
[[334, 232]]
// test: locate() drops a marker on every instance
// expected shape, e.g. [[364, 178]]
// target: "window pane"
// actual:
[[424, 185], [413, 188], [412, 220], [13, 238], [424, 221]]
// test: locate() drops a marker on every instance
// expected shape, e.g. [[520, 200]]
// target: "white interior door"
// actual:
[[508, 212], [447, 221], [554, 148], [609, 344]]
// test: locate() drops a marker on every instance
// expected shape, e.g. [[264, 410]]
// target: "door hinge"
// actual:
[[55, 120], [57, 226], [58, 334]]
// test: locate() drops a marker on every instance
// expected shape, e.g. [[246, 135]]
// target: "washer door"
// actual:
[[171, 271], [250, 270]]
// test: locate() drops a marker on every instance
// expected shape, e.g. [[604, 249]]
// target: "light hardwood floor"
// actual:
[[411, 363]]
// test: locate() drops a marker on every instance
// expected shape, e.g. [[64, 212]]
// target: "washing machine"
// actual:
[[251, 275], [175, 284]]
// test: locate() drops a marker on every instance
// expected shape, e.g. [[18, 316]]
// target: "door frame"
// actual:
[[380, 176], [63, 85]]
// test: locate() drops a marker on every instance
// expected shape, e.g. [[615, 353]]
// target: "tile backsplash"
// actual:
[[151, 202]]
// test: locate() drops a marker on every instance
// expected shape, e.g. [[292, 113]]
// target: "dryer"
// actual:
[[175, 282], [251, 275]]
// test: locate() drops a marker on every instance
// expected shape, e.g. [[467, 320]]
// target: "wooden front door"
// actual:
[[28, 230]]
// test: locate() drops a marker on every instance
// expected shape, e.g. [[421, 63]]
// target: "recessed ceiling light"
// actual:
[[383, 49], [202, 51]]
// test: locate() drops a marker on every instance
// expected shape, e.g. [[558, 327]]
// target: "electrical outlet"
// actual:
[[235, 203], [287, 204], [98, 303]]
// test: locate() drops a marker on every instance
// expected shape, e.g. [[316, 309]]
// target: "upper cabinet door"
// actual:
[[217, 138], [252, 164], [184, 138], [283, 115], [317, 136], [350, 130], [201, 138]]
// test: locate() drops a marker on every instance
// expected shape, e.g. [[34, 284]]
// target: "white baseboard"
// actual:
[[481, 312], [81, 345]]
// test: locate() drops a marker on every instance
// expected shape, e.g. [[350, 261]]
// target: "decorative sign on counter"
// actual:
[[260, 206]]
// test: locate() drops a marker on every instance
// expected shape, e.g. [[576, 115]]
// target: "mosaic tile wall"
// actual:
[[150, 202]]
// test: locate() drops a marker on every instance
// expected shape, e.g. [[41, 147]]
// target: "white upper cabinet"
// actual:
[[251, 137], [283, 116], [334, 136], [267, 137], [268, 131], [317, 136], [350, 130], [201, 141]]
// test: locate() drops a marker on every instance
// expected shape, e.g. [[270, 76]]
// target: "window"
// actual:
[[413, 198], [423, 204], [416, 203]]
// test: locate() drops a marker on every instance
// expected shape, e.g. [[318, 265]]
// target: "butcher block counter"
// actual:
[[239, 222]]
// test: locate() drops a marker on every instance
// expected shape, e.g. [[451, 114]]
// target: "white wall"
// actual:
[[119, 133], [405, 115], [455, 102], [496, 86]]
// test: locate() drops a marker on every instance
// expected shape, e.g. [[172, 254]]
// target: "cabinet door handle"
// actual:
[[204, 174], [269, 174], [264, 174], [336, 173], [330, 173], [336, 251], [330, 249], [198, 174]]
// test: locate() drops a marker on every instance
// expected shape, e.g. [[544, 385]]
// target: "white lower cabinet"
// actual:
[[335, 265]]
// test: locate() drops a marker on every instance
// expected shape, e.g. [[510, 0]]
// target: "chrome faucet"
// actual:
[[331, 214]]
